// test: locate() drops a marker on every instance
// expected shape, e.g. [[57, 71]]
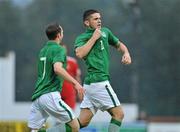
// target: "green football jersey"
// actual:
[[97, 60], [47, 80]]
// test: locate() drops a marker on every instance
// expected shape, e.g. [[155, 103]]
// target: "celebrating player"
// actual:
[[93, 47]]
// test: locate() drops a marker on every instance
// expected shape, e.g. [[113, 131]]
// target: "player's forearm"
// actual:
[[122, 48], [59, 70], [84, 50]]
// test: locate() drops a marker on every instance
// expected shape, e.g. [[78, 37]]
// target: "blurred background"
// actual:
[[149, 28]]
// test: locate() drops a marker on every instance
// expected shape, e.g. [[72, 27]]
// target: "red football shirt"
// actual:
[[68, 93]]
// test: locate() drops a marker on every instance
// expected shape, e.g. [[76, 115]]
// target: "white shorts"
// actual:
[[99, 95], [49, 104]]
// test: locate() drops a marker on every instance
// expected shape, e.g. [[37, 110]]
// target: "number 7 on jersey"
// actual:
[[43, 59]]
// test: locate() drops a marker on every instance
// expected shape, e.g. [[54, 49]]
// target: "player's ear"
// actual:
[[86, 23], [58, 35]]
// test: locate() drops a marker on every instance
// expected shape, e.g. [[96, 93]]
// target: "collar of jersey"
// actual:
[[51, 42], [90, 30]]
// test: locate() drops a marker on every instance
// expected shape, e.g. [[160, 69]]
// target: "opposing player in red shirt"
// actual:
[[68, 93]]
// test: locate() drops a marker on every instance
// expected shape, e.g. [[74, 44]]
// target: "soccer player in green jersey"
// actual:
[[51, 73], [93, 47]]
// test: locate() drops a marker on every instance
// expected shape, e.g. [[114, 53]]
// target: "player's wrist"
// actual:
[[75, 83]]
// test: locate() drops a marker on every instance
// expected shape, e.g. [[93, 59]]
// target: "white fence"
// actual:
[[9, 109]]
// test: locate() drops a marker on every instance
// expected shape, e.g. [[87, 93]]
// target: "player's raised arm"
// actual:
[[84, 50]]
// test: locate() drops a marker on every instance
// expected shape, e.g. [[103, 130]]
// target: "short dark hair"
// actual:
[[89, 12], [52, 30]]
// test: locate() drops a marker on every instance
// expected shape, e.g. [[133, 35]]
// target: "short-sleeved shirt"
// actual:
[[48, 80], [97, 60]]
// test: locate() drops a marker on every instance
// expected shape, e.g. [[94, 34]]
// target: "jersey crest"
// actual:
[[103, 34]]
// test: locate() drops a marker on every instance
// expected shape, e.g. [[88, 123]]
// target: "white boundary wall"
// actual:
[[9, 109], [163, 127]]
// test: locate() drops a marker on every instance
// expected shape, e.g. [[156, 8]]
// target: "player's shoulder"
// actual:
[[81, 36], [55, 49], [105, 29]]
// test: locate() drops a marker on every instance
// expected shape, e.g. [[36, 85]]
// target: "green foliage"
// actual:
[[10, 25]]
